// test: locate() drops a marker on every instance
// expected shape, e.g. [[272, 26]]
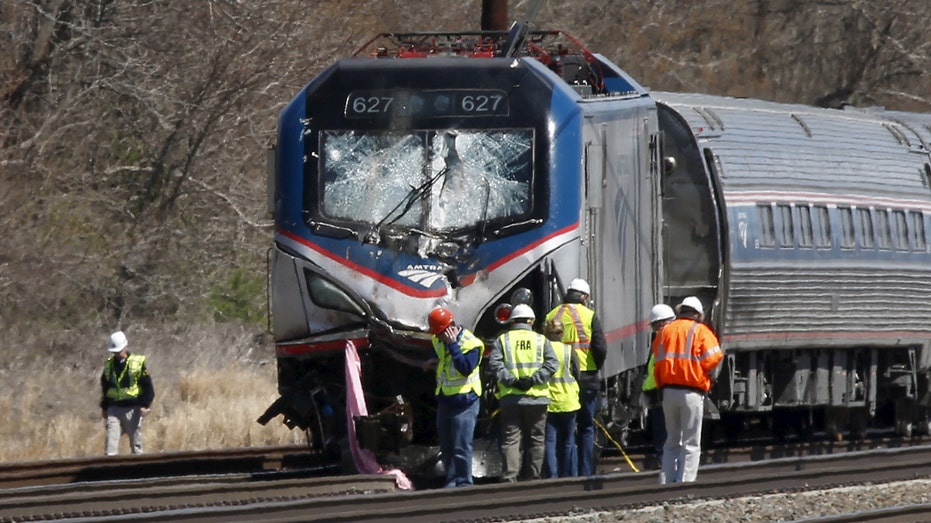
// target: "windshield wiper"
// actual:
[[484, 223], [416, 194], [526, 223]]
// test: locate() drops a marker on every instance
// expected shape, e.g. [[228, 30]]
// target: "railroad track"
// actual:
[[917, 512], [261, 497], [761, 449], [240, 460], [169, 499], [297, 459]]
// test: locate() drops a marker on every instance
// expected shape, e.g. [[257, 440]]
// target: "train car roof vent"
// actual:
[[710, 118], [921, 145], [798, 120], [897, 133]]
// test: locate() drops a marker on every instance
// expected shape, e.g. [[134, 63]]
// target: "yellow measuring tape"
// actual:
[[607, 435], [618, 445]]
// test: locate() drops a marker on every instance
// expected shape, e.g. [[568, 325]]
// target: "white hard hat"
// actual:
[[522, 312], [117, 342], [661, 312], [691, 302], [580, 285]]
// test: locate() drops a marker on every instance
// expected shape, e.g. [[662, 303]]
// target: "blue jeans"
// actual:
[[560, 445], [585, 423], [456, 428], [657, 420]]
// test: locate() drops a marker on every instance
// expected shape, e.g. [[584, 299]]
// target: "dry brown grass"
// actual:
[[206, 398]]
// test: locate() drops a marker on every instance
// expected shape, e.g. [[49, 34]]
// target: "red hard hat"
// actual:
[[439, 319]]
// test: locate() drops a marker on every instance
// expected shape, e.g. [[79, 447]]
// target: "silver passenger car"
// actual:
[[805, 232]]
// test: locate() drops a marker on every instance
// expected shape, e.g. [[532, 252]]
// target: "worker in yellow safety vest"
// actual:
[[522, 362], [560, 459], [660, 315], [127, 394], [458, 389], [582, 330]]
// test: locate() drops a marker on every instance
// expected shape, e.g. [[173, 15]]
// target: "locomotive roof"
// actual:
[[797, 150], [557, 50], [540, 44]]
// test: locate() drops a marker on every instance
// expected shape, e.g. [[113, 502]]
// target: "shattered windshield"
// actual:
[[437, 180]]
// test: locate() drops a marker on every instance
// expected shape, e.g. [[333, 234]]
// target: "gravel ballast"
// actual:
[[765, 508]]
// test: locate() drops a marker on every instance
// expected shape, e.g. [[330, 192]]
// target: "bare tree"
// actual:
[[133, 144], [132, 132], [823, 52]]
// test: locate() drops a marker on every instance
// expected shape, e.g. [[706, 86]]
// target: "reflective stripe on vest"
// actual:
[[449, 381], [133, 366], [686, 354], [690, 364], [582, 329], [564, 389], [522, 355]]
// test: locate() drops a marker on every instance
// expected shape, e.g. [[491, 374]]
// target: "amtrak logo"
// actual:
[[424, 275]]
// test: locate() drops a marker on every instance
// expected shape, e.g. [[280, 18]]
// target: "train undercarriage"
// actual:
[[400, 426], [802, 394], [827, 390]]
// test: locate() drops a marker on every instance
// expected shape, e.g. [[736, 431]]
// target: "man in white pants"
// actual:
[[686, 352], [127, 394]]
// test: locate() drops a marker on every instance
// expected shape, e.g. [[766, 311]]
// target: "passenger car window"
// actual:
[[900, 234], [848, 237], [786, 230], [767, 228], [806, 234], [917, 227], [866, 228], [882, 229], [823, 227]]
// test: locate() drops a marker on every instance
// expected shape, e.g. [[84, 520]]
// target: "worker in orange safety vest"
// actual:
[[686, 353]]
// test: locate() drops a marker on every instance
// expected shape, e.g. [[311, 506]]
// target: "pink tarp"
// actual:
[[355, 406]]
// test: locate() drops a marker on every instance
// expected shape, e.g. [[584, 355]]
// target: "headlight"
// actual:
[[328, 296]]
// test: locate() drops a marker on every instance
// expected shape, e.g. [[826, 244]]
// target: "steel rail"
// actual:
[[99, 468], [549, 497], [898, 514], [101, 500]]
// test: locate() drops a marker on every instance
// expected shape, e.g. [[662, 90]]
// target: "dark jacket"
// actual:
[[146, 392]]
